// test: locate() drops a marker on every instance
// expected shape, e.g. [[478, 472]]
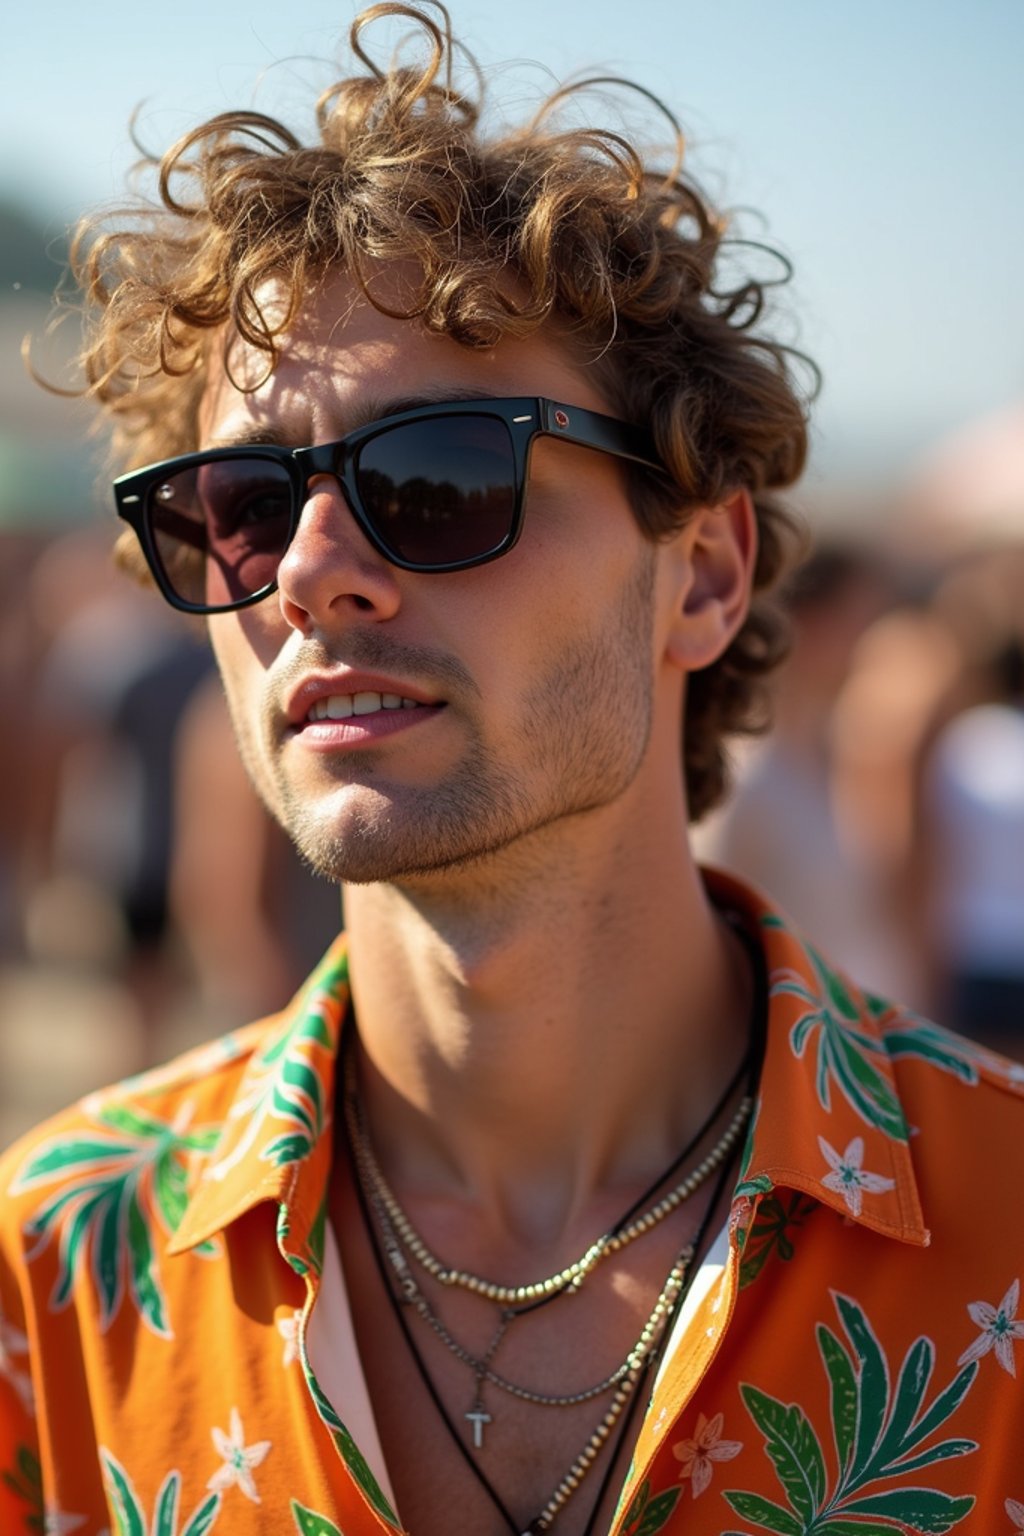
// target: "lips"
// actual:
[[345, 695]]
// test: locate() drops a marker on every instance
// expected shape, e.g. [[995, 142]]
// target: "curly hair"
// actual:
[[626, 260]]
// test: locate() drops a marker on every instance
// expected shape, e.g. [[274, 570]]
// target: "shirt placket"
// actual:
[[689, 1364]]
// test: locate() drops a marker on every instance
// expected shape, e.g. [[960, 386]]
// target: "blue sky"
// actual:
[[882, 142]]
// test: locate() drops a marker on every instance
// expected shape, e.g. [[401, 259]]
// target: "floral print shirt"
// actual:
[[853, 1371]]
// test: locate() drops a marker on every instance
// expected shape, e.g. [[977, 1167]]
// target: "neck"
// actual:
[[516, 1020]]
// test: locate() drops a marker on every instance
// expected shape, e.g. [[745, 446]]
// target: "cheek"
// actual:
[[242, 677], [246, 644]]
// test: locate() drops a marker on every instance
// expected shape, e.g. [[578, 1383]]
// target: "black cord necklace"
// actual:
[[512, 1524], [655, 1361], [750, 1066]]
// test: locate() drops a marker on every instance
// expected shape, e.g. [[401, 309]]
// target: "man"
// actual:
[[574, 1192]]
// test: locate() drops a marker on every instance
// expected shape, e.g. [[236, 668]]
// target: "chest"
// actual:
[[524, 1418]]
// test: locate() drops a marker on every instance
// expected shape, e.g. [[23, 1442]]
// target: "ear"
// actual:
[[714, 557]]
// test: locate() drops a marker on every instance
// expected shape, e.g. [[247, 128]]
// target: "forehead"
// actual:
[[342, 363]]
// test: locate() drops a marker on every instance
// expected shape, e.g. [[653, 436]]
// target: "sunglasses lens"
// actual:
[[439, 491], [220, 529]]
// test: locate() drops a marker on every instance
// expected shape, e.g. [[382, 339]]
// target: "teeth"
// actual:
[[340, 706]]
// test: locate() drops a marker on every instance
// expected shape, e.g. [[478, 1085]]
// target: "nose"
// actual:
[[330, 572]]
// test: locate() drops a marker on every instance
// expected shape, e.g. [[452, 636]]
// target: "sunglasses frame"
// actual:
[[526, 418]]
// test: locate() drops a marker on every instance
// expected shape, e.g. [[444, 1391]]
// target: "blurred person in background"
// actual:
[[112, 683], [790, 824], [575, 1190], [930, 728], [112, 686], [969, 852], [19, 549]]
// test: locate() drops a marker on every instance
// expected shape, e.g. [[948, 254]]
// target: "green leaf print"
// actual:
[[129, 1515], [777, 1215], [170, 1191], [928, 1042], [878, 1433], [25, 1480], [872, 1382], [793, 1449], [910, 1389], [82, 1152], [359, 1467], [291, 1148], [204, 1517], [645, 1515], [318, 1236], [129, 1519], [852, 1528], [350, 1453], [288, 1080], [762, 1512], [944, 1406], [145, 1285], [760, 1184], [843, 1387], [309, 1523], [845, 1052], [748, 1143], [165, 1520], [923, 1509], [114, 1186]]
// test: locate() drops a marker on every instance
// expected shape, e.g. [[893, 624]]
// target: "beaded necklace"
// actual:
[[542, 1521], [388, 1235]]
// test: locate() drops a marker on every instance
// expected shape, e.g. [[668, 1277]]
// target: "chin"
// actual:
[[372, 836]]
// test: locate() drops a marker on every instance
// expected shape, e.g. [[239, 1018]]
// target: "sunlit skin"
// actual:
[[530, 938]]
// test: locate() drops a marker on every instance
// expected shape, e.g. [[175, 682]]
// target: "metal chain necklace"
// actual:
[[481, 1365], [573, 1275], [395, 1233], [392, 1231], [625, 1379], [672, 1293]]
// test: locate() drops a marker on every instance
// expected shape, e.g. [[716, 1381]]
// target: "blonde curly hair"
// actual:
[[625, 259]]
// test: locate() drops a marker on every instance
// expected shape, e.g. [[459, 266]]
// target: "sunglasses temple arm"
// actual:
[[589, 429]]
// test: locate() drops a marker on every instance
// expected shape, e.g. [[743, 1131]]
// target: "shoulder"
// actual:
[[964, 1107], [938, 1070], [166, 1119]]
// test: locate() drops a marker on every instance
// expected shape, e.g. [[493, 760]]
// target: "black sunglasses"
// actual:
[[439, 488]]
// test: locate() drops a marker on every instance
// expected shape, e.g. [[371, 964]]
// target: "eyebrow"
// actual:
[[375, 408]]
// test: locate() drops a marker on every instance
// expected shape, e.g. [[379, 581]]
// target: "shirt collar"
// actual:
[[277, 1137], [828, 1119]]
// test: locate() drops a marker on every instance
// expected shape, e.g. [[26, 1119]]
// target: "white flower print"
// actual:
[[288, 1328], [1015, 1509], [707, 1446], [848, 1178], [239, 1459], [999, 1327], [56, 1524]]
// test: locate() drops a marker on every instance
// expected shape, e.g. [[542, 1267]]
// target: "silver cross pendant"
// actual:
[[478, 1418]]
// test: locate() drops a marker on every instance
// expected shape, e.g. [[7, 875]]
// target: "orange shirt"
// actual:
[[851, 1373]]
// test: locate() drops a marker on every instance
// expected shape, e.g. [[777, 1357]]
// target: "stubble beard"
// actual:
[[580, 744]]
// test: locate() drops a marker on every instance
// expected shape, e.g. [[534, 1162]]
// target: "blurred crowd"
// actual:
[[885, 811], [147, 902]]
